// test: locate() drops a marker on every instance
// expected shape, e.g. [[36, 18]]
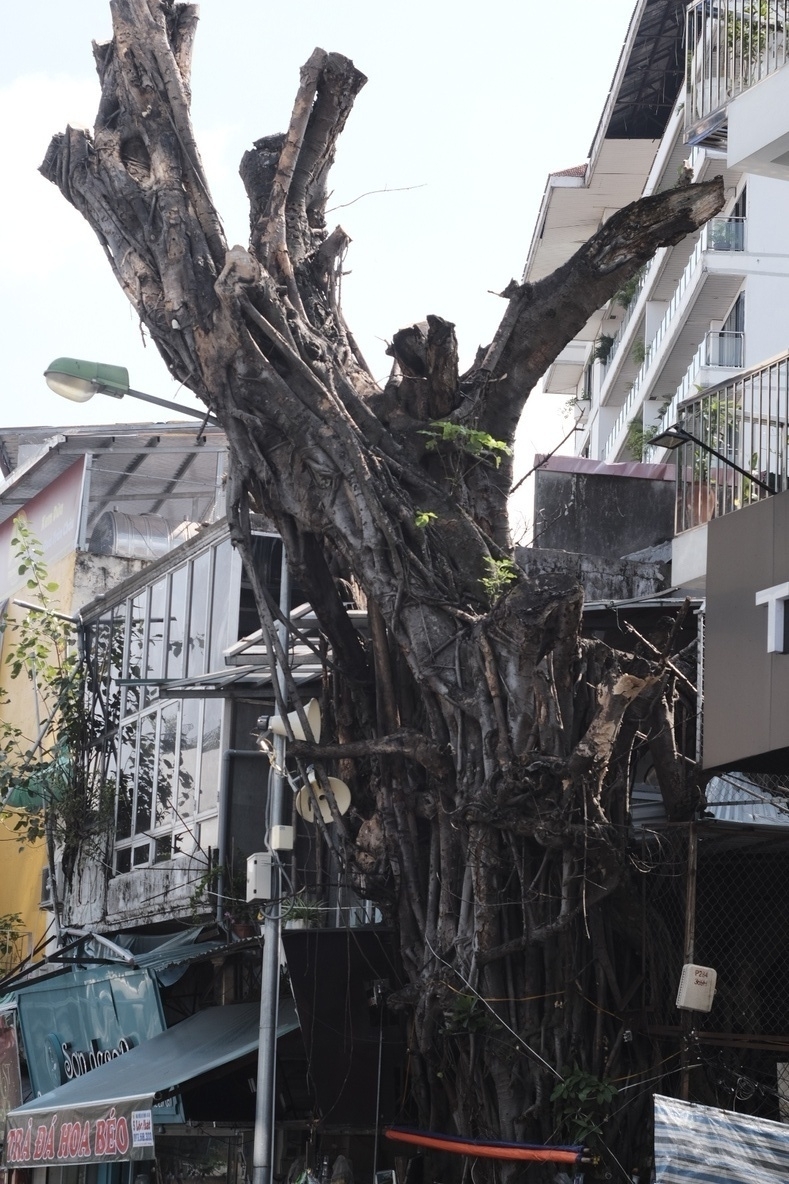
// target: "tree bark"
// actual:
[[489, 833]]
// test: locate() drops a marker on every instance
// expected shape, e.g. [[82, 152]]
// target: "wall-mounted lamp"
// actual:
[[672, 437], [78, 380]]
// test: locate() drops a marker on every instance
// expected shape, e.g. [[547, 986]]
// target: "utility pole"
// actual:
[[265, 1098]]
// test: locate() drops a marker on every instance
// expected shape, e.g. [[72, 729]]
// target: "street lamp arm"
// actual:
[[193, 411], [675, 435], [732, 464]]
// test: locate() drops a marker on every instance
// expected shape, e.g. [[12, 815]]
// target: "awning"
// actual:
[[124, 1089]]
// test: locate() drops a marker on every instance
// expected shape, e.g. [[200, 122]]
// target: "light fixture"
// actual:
[[78, 380], [671, 437]]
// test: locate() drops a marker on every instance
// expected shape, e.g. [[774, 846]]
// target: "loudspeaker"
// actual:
[[276, 724], [305, 802]]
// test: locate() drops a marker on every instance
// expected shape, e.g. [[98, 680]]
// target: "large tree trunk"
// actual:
[[495, 738]]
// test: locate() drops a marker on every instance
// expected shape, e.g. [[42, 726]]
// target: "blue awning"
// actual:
[[160, 1066]]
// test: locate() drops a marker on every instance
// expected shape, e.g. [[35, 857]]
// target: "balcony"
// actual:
[[718, 351], [744, 419], [720, 236], [731, 46]]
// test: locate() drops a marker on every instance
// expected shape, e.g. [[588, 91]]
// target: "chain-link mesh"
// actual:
[[738, 1053]]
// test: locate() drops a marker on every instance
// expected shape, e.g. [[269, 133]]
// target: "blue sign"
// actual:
[[72, 1024]]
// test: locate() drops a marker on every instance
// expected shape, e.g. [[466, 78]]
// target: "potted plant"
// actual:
[[303, 911], [239, 915]]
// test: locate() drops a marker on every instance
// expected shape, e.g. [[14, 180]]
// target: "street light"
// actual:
[[675, 435], [78, 380]]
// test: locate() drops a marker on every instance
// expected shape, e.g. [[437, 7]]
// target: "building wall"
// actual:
[[595, 514]]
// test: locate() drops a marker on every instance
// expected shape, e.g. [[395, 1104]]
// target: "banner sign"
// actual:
[[84, 1134]]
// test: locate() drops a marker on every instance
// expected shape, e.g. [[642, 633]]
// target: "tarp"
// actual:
[[703, 1144], [127, 1086]]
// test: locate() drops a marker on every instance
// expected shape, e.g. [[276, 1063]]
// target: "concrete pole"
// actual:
[[265, 1098]]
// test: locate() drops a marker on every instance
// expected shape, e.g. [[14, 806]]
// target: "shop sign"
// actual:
[[113, 1133], [74, 1024]]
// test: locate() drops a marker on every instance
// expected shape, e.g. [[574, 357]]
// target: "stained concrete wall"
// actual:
[[601, 515], [600, 578]]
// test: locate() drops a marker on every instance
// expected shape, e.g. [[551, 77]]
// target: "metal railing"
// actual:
[[731, 45], [744, 419], [719, 234], [629, 310], [718, 349]]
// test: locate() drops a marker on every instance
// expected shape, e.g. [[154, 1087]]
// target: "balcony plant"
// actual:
[[303, 911], [603, 347]]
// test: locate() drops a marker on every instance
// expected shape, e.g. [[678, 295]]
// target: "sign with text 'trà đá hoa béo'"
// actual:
[[117, 1133]]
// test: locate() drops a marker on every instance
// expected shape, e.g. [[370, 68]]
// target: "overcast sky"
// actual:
[[468, 107]]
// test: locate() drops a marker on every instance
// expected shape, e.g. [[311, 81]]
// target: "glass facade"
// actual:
[[163, 754]]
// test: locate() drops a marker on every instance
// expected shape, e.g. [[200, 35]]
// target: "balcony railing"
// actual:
[[719, 234], [717, 350], [731, 45], [629, 310], [744, 419]]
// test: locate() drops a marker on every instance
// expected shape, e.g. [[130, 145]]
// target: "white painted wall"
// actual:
[[768, 215], [766, 317], [758, 132]]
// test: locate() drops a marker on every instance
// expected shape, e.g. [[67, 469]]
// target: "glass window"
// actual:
[[146, 764], [187, 761], [177, 630], [141, 854], [167, 766], [209, 755], [125, 790], [134, 650], [155, 648], [222, 619], [165, 773], [198, 623]]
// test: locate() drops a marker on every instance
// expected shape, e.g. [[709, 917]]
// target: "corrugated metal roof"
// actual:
[[136, 468], [733, 797]]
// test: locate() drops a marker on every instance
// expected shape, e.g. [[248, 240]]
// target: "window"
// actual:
[[162, 756]]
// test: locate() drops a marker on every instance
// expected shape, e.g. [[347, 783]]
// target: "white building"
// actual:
[[706, 87]]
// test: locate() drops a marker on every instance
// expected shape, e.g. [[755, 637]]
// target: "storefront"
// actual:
[[114, 1113], [115, 1089]]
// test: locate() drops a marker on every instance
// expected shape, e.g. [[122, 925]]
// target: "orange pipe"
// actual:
[[484, 1150]]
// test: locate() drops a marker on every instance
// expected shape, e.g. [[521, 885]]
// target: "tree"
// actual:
[[486, 727]]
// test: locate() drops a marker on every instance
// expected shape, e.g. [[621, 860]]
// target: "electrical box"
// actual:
[[696, 988], [259, 876], [282, 838]]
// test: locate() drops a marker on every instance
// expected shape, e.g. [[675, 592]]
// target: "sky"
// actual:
[[438, 178]]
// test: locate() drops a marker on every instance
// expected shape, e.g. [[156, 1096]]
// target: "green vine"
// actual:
[[55, 767], [468, 440], [501, 573], [582, 1101]]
